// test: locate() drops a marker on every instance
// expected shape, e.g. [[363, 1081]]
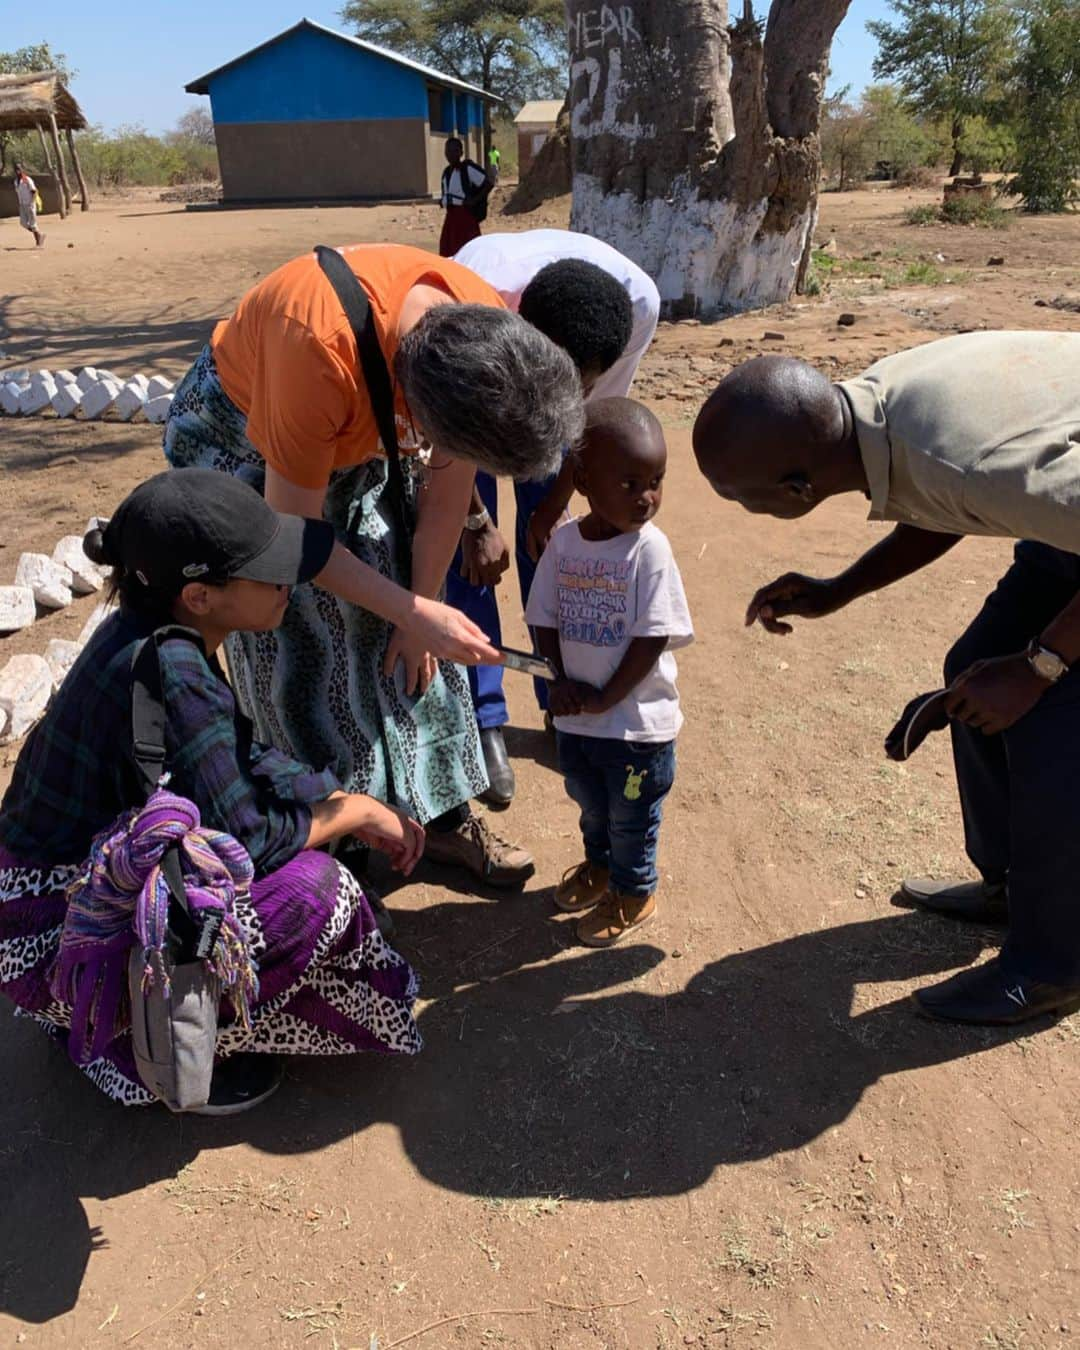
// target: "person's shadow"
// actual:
[[566, 1078]]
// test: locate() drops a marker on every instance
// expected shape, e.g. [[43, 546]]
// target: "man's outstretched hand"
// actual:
[[793, 596]]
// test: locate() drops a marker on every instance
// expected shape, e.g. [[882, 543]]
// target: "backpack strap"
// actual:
[[354, 301], [148, 746]]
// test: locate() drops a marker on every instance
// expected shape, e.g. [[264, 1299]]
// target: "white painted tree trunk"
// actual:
[[695, 146]]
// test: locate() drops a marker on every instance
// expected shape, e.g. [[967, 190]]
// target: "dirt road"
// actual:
[[733, 1132]]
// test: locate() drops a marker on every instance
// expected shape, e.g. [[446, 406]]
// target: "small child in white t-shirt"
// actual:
[[608, 608]]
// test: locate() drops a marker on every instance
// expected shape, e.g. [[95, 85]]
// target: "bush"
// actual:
[[961, 210], [131, 157], [918, 176], [923, 215]]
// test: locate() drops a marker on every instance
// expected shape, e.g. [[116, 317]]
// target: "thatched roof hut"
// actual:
[[27, 100], [40, 99]]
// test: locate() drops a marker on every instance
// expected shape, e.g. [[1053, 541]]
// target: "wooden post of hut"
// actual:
[[44, 147], [65, 189], [78, 170]]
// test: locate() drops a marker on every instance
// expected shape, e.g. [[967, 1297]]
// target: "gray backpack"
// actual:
[[174, 1036]]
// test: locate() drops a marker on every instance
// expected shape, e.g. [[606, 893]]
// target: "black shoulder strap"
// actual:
[[148, 736], [354, 302]]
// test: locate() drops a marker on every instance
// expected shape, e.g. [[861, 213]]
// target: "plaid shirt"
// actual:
[[74, 775]]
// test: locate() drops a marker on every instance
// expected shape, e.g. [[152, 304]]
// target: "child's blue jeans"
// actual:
[[620, 787]]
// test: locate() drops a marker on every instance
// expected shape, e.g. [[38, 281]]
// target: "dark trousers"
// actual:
[[481, 604], [1020, 791], [620, 787]]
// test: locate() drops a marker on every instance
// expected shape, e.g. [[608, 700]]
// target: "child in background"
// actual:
[[608, 608]]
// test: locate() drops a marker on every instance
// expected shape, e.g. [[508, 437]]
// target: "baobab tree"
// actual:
[[695, 142]]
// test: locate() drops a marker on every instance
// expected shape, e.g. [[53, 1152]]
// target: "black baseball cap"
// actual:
[[193, 524]]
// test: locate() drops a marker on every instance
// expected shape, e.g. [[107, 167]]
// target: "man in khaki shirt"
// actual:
[[977, 434]]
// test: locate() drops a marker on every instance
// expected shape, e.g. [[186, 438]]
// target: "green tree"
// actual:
[[845, 142], [949, 57], [1045, 90], [515, 49]]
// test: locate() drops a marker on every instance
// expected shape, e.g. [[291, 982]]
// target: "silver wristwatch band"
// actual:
[[479, 520]]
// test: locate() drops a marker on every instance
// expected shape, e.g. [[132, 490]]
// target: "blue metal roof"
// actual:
[[202, 84]]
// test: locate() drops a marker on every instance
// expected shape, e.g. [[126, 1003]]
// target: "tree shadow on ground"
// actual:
[[158, 338], [561, 1077]]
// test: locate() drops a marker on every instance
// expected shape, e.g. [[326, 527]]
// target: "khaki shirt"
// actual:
[[976, 434]]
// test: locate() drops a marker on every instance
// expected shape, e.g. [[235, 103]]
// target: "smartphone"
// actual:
[[528, 662]]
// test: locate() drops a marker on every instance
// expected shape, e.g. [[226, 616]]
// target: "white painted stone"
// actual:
[[9, 397], [26, 685], [158, 385], [42, 377], [65, 377], [61, 656], [99, 397], [67, 400], [17, 608], [19, 377], [97, 618], [129, 401], [5, 720], [50, 581], [86, 575], [141, 380], [87, 376], [157, 409], [108, 375], [35, 397]]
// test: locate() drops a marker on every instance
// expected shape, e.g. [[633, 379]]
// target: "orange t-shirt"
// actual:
[[287, 356]]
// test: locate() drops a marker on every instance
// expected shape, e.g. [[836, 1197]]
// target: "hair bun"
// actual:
[[95, 547]]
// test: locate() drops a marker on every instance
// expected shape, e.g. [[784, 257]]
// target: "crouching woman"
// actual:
[[201, 552]]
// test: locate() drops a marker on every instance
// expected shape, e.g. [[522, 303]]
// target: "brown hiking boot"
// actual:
[[613, 918], [581, 887], [475, 846]]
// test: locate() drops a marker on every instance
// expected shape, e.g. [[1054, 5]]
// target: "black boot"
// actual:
[[501, 783], [987, 996], [974, 901]]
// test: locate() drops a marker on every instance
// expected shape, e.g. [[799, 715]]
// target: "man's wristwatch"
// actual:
[[1045, 663], [479, 520]]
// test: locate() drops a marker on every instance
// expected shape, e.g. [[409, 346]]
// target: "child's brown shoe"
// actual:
[[581, 887], [613, 918]]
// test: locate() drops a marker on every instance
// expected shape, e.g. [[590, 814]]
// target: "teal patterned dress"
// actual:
[[315, 687]]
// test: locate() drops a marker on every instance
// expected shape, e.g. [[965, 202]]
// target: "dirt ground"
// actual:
[[732, 1132]]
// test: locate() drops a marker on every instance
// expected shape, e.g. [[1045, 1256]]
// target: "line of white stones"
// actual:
[[27, 681], [92, 394]]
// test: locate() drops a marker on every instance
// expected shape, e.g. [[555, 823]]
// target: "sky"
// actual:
[[133, 59]]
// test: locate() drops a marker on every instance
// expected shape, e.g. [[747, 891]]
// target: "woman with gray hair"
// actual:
[[299, 392]]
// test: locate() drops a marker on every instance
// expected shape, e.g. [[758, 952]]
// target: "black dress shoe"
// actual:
[[974, 901], [987, 996], [501, 783]]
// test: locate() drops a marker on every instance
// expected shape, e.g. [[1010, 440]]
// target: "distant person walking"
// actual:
[[494, 163], [465, 191], [29, 203]]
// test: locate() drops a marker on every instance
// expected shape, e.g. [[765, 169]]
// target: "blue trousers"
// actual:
[[1020, 790], [620, 787], [481, 604]]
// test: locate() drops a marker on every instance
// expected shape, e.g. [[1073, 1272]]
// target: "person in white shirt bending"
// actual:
[[608, 609], [26, 192], [602, 309]]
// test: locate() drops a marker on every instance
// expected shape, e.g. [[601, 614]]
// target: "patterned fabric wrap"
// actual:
[[315, 687], [121, 898], [329, 984]]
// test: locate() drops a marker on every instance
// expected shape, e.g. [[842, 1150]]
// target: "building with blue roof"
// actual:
[[313, 115]]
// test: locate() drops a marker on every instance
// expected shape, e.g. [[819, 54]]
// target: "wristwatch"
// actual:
[[1045, 663], [479, 520]]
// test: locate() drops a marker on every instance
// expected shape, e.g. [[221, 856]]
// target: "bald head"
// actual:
[[776, 437]]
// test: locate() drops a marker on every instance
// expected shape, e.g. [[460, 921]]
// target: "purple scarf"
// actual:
[[121, 898]]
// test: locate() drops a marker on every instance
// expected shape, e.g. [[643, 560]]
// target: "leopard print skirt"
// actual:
[[328, 982], [315, 687]]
